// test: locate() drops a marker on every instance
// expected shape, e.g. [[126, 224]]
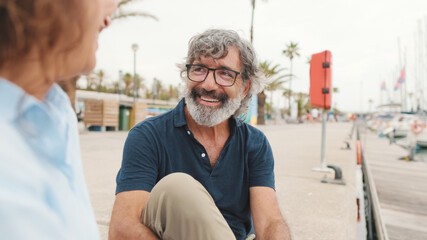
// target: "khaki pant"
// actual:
[[179, 207]]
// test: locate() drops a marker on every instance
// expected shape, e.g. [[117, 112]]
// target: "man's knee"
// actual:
[[174, 180], [180, 188], [180, 206]]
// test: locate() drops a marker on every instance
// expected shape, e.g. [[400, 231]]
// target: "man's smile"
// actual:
[[209, 99]]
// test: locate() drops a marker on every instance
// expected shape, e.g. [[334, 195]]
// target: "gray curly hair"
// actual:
[[215, 43]]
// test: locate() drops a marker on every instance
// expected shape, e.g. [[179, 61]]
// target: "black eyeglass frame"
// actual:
[[214, 75]]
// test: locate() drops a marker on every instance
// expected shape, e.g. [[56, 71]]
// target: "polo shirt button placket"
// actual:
[[203, 155], [189, 133]]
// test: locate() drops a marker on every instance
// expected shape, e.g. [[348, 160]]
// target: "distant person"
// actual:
[[43, 193], [315, 114], [308, 116], [416, 129], [197, 172]]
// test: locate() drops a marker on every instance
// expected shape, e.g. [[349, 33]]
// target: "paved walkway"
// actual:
[[313, 210]]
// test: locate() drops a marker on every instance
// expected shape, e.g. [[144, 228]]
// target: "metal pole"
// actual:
[[323, 167], [322, 154], [134, 48], [119, 85], [134, 76], [290, 89]]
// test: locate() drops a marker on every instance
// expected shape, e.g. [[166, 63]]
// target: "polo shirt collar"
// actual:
[[179, 114], [180, 121]]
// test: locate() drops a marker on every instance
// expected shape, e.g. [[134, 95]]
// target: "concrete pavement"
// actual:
[[313, 210]]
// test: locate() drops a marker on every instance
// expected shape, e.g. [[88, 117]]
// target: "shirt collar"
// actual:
[[14, 100], [43, 124], [179, 114]]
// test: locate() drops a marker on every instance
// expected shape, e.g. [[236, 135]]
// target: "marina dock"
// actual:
[[401, 187]]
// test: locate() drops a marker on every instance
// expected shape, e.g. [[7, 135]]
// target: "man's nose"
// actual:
[[210, 83]]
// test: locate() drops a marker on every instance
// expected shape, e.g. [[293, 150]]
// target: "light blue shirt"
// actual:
[[43, 194]]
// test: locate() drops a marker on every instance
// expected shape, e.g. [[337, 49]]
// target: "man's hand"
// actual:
[[126, 217], [268, 221]]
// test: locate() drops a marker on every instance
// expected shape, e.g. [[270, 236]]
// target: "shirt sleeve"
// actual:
[[261, 161], [139, 169]]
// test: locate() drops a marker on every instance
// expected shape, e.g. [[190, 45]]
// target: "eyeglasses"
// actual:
[[223, 77]]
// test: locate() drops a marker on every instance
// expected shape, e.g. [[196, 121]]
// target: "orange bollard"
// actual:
[[359, 152]]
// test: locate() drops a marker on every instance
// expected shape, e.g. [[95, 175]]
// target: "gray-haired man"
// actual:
[[197, 172]]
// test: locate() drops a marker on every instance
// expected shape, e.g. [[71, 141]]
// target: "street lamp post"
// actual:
[[119, 85], [134, 48]]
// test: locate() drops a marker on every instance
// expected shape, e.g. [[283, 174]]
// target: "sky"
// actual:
[[363, 35]]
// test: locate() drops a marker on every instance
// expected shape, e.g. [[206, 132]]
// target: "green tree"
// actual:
[[291, 51], [115, 88], [128, 80], [95, 80], [275, 78], [100, 74], [129, 83], [159, 90], [91, 80], [302, 103], [173, 92], [302, 100], [139, 84]]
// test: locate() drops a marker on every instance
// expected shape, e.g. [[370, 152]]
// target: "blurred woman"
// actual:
[[42, 189]]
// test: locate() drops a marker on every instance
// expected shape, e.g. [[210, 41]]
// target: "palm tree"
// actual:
[[272, 73], [173, 92], [122, 13], [302, 103], [92, 80], [261, 95], [272, 87], [128, 80], [139, 84], [291, 51], [302, 100], [100, 75]]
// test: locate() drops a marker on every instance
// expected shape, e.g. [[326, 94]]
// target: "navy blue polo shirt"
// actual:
[[164, 144]]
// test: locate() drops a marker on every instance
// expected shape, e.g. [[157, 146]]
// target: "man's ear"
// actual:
[[247, 87]]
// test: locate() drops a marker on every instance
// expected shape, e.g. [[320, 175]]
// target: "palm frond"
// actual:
[[291, 50], [124, 14], [124, 2]]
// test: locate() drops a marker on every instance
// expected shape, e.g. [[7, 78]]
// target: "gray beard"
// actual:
[[208, 116]]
